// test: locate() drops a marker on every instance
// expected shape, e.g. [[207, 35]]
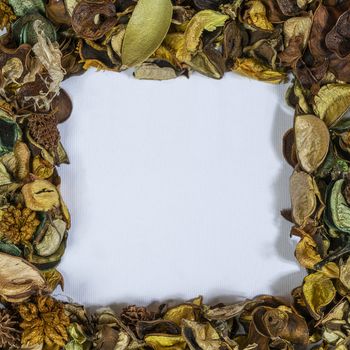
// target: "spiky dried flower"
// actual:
[[44, 322], [10, 334], [18, 224]]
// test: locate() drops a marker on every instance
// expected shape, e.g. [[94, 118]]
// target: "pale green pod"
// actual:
[[147, 28], [340, 210]]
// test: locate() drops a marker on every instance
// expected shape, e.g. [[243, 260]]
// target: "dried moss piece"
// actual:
[[10, 334], [44, 322], [43, 129], [18, 224]]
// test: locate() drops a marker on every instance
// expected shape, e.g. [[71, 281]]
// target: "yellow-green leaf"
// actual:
[[318, 291], [331, 102], [148, 26], [163, 342]]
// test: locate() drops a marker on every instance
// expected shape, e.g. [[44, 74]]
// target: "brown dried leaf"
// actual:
[[303, 196], [19, 280]]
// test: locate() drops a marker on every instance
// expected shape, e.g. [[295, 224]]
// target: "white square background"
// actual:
[[175, 190]]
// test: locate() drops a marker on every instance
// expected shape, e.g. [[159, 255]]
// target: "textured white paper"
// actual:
[[175, 190]]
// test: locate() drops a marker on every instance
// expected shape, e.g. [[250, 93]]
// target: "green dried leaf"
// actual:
[[331, 102], [52, 238], [312, 141], [10, 248], [340, 210], [148, 26], [5, 178], [22, 7]]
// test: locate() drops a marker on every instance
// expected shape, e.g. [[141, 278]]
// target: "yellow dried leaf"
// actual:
[[207, 20], [256, 15], [312, 141], [254, 69], [345, 273], [42, 168], [318, 291], [176, 43], [181, 312], [22, 155], [148, 26], [303, 196], [307, 256], [331, 102], [164, 342], [41, 195], [53, 279]]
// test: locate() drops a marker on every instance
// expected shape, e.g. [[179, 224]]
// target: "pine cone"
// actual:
[[43, 129], [10, 335], [132, 314], [44, 322], [18, 225]]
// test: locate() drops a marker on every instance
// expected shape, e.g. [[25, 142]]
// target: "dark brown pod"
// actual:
[[63, 106], [56, 11], [92, 19], [289, 148]]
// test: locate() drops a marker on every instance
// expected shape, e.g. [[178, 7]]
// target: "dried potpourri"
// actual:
[[268, 40]]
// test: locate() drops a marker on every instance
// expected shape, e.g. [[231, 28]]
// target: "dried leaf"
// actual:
[[255, 15], [303, 196], [183, 311], [52, 238], [165, 342], [148, 26], [312, 141], [22, 155], [254, 69], [340, 210], [331, 102], [53, 279], [41, 195], [201, 336], [207, 20], [19, 280], [318, 291]]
